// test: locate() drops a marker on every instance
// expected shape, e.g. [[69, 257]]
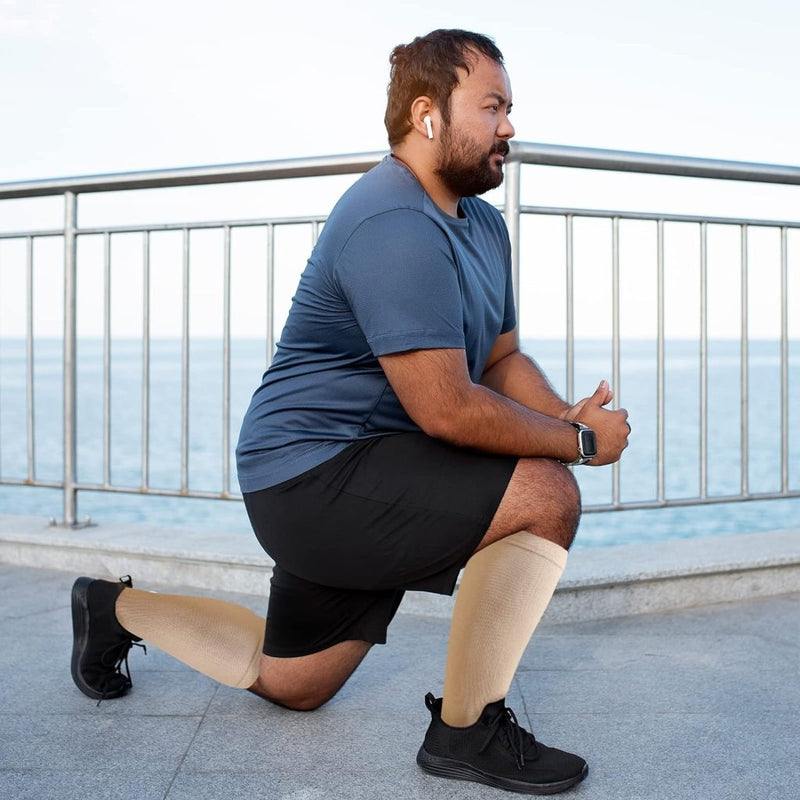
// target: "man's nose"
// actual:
[[505, 129]]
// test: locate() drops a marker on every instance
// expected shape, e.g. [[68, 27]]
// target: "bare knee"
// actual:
[[308, 682], [562, 506], [543, 498], [307, 702], [294, 700]]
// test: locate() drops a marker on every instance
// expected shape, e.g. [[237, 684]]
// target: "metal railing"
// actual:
[[516, 214]]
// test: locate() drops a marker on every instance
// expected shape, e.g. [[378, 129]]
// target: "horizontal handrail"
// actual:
[[317, 166], [645, 216], [320, 166], [652, 163]]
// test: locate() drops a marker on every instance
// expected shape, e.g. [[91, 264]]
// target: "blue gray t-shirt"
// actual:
[[390, 273]]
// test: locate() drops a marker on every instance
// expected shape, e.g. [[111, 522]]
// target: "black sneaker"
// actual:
[[497, 751], [100, 644]]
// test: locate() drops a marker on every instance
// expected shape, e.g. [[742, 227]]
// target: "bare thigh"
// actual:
[[542, 498], [306, 682]]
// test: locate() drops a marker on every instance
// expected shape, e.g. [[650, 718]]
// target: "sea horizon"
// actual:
[[637, 391]]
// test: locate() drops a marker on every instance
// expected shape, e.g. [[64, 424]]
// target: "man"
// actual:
[[398, 436]]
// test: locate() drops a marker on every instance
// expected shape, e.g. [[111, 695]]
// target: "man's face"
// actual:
[[474, 145]]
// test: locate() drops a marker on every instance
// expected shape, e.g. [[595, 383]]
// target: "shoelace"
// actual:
[[115, 656], [515, 735]]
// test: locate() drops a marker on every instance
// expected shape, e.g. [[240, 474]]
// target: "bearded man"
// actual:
[[398, 437]]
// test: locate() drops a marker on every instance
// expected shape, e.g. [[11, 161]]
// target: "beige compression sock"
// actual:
[[219, 639], [505, 589]]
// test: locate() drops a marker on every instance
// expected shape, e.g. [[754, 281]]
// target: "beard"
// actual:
[[466, 169]]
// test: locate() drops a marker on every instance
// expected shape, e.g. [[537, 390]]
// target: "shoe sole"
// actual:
[[80, 638], [458, 770]]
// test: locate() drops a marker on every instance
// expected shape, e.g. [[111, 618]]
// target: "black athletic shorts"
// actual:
[[395, 512]]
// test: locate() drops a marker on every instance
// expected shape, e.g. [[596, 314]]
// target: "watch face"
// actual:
[[588, 443]]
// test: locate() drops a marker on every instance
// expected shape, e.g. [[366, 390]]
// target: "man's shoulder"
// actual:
[[386, 187], [386, 201]]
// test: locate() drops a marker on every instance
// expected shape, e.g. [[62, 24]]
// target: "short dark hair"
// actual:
[[429, 66]]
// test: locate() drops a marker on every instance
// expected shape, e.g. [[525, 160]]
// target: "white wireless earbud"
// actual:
[[427, 120]]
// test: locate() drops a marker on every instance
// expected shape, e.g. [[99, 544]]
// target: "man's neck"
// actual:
[[422, 167]]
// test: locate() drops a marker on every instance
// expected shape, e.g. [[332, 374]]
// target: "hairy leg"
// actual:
[[307, 682], [542, 498], [224, 641]]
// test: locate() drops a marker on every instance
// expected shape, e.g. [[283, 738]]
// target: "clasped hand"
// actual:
[[611, 427]]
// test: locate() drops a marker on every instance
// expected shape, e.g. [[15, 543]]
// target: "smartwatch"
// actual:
[[587, 445]]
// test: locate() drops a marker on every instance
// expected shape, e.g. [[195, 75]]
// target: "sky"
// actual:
[[99, 86], [95, 86]]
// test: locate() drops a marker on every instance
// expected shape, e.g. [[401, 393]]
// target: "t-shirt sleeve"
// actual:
[[398, 275]]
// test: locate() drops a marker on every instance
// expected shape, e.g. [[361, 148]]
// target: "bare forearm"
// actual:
[[519, 378], [485, 420], [435, 390]]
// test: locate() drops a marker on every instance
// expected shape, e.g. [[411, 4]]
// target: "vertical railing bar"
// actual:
[[703, 360], [784, 361], [29, 357], [512, 211], [185, 367], [146, 360], [745, 363], [661, 365], [70, 378], [270, 291], [226, 363], [615, 343], [570, 278], [106, 359]]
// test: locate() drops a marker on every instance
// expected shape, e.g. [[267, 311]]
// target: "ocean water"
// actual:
[[637, 390]]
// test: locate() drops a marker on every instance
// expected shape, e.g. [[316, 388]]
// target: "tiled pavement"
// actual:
[[698, 703]]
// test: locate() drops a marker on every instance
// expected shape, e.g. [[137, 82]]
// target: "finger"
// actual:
[[609, 394], [602, 395]]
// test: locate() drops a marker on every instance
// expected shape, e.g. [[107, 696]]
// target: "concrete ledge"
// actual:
[[643, 596], [233, 562], [599, 583]]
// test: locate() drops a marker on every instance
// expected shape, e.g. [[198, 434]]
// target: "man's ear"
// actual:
[[424, 118]]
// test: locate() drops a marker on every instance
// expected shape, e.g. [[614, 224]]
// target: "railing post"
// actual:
[[70, 372], [511, 210]]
